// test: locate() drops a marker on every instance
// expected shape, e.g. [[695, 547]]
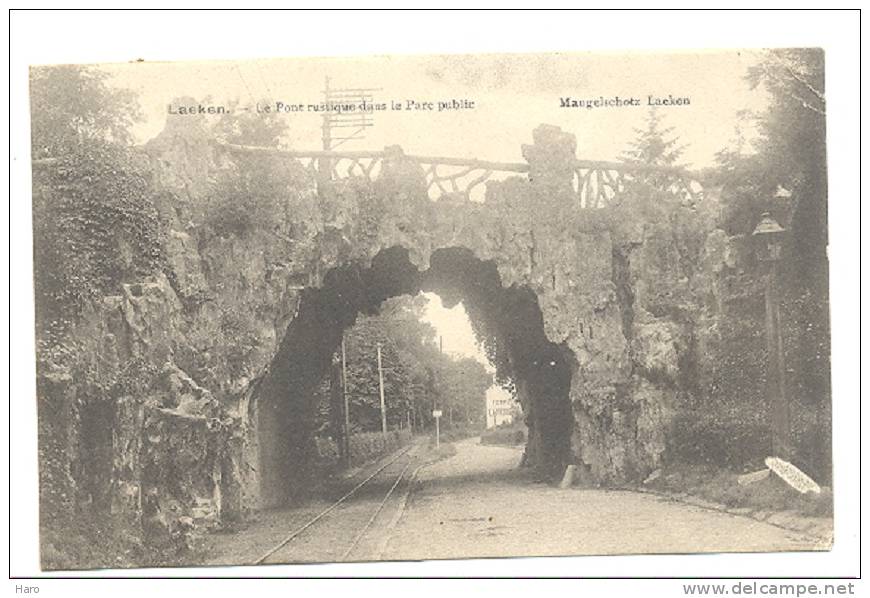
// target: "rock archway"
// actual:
[[508, 319]]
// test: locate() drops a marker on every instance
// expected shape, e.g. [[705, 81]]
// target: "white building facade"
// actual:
[[500, 408]]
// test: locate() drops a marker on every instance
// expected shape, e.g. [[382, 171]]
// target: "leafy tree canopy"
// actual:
[[71, 105], [262, 192], [417, 377], [251, 128]]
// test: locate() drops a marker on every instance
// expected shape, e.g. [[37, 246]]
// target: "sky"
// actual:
[[512, 95], [457, 337], [454, 328]]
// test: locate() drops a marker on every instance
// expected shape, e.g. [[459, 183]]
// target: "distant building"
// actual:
[[500, 409]]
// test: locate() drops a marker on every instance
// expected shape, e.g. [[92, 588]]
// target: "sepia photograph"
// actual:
[[431, 307], [313, 298]]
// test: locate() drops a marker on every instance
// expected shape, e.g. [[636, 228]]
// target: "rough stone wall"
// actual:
[[161, 358], [624, 288]]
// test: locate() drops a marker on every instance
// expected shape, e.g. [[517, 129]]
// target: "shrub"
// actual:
[[258, 195], [364, 446], [720, 436], [369, 445], [506, 436]]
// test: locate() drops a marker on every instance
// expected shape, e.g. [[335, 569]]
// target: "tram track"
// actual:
[[345, 515]]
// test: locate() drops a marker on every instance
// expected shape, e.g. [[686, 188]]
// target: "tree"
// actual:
[[94, 218], [71, 105], [406, 346], [363, 385], [462, 385], [747, 190], [785, 174], [792, 149], [416, 375], [263, 192], [248, 128], [784, 171], [654, 145]]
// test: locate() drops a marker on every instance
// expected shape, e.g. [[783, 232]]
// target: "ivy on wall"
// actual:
[[95, 226]]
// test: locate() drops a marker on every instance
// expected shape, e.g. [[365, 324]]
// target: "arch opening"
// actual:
[[507, 322]]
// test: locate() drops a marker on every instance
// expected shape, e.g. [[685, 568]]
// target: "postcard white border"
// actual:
[[45, 38]]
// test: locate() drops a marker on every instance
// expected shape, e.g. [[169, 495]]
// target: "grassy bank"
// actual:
[[722, 487]]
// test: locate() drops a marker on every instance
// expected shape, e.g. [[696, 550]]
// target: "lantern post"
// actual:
[[767, 238]]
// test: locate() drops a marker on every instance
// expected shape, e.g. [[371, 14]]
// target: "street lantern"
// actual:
[[767, 238]]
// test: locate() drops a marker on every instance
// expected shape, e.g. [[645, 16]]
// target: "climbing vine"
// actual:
[[95, 226]]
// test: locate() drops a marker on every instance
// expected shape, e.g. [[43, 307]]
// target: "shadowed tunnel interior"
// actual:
[[507, 320]]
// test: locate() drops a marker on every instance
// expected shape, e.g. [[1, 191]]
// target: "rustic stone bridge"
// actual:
[[594, 283], [536, 270]]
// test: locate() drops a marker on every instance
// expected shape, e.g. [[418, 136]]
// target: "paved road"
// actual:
[[477, 503]]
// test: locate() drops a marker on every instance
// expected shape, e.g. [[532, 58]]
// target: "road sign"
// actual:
[[792, 476], [436, 413]]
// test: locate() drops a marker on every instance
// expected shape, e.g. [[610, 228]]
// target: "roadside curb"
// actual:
[[780, 519]]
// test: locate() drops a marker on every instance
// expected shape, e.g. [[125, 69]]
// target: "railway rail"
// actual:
[[351, 521]]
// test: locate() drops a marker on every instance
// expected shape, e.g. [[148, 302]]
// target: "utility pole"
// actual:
[[436, 413], [357, 120], [346, 406], [335, 120], [450, 400], [324, 164], [383, 403], [326, 132]]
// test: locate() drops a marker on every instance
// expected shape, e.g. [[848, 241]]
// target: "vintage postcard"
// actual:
[[400, 308]]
